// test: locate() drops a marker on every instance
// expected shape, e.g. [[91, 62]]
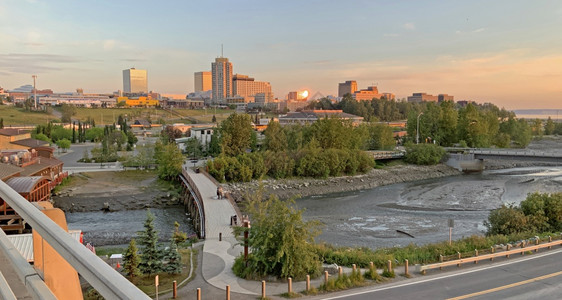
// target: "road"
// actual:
[[536, 276]]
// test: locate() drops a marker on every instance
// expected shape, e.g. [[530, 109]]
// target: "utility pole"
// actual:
[[418, 129], [34, 92]]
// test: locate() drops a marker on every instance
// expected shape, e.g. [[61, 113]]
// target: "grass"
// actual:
[[203, 116], [18, 116], [146, 283], [103, 251], [107, 116]]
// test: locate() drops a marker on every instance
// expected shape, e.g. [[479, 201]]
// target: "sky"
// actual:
[[505, 52]]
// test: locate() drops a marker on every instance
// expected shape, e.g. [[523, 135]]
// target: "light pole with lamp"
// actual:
[[418, 129]]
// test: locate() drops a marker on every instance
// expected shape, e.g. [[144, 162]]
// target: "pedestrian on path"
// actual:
[[218, 192]]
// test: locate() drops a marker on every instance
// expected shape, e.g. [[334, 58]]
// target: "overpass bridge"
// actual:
[[472, 159]]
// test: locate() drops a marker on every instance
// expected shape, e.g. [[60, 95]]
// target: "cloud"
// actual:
[[409, 26], [478, 30], [390, 35], [108, 44], [35, 63]]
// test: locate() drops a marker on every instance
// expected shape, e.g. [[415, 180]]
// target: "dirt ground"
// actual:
[[122, 190]]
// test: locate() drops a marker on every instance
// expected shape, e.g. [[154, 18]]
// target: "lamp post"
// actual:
[[418, 129]]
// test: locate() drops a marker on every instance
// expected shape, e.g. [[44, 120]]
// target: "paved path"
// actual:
[[218, 256]]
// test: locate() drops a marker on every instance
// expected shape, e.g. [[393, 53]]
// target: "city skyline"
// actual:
[[504, 52]]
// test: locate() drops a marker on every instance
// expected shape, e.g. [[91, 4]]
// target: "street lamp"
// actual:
[[418, 129]]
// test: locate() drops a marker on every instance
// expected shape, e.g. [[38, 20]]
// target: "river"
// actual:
[[117, 228], [371, 218]]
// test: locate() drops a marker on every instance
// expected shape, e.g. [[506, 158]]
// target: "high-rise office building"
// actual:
[[245, 86], [348, 87], [135, 81], [203, 81], [221, 71]]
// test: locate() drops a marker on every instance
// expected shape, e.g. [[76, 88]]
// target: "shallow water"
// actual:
[[372, 217], [115, 228]]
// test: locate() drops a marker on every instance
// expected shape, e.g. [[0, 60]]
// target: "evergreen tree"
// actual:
[[73, 132], [173, 258], [131, 261], [151, 262]]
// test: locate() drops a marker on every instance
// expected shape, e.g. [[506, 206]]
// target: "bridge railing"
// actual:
[[108, 282], [198, 199]]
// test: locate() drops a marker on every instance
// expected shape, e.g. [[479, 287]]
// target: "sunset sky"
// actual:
[[505, 52]]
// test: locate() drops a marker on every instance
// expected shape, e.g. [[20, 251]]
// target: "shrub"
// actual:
[[424, 154]]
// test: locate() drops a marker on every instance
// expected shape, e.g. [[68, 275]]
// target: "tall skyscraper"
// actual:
[[348, 87], [221, 71], [135, 81], [203, 81]]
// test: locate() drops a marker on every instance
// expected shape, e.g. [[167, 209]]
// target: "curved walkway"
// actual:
[[218, 256]]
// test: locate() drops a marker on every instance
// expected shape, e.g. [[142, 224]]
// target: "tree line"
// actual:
[[328, 147]]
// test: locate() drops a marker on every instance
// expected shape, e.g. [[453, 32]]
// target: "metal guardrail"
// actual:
[[197, 196], [491, 256], [35, 285], [108, 282], [5, 290]]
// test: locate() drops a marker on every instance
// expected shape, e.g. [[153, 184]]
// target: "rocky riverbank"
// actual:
[[302, 187]]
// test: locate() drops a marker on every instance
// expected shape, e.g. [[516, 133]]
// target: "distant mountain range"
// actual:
[[537, 111]]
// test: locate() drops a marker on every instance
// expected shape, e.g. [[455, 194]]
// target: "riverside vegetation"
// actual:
[[282, 244]]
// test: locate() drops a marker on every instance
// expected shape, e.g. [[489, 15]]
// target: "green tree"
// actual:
[[150, 260], [280, 241], [548, 127], [29, 103], [64, 144], [236, 134], [275, 138], [42, 137], [178, 236], [131, 140], [173, 259], [214, 145], [506, 220], [68, 111], [131, 261], [59, 133], [523, 133], [380, 137], [94, 134], [537, 128], [424, 154], [170, 162], [193, 148]]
